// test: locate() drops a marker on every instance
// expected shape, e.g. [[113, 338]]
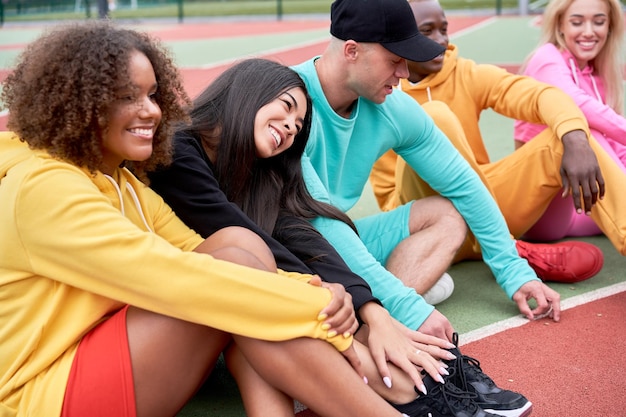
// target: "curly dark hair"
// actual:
[[61, 90]]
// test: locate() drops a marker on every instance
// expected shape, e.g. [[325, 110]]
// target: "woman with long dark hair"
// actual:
[[239, 163]]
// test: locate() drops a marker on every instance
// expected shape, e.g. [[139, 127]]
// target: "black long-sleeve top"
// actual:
[[189, 186]]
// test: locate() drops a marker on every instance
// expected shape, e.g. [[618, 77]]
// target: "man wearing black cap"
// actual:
[[357, 117]]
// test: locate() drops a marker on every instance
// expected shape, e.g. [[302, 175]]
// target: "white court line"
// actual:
[[473, 28], [517, 321]]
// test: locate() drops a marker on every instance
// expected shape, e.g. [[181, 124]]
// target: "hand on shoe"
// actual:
[[435, 346], [437, 325], [580, 171], [390, 341], [548, 301]]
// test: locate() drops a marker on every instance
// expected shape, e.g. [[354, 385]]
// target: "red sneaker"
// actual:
[[570, 261]]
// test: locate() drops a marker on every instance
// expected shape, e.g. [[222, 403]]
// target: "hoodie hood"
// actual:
[[12, 152], [433, 80]]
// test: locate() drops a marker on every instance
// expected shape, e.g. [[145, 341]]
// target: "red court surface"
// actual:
[[574, 368]]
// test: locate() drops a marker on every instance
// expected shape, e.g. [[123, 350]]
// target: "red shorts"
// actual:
[[101, 379]]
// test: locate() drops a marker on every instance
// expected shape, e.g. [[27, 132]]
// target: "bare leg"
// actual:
[[313, 372], [259, 398], [437, 231], [172, 357]]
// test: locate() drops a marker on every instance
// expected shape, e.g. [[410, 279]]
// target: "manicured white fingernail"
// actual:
[[387, 381], [422, 388], [444, 371], [440, 379], [365, 380]]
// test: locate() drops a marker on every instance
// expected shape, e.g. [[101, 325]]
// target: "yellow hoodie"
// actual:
[[75, 247], [468, 89]]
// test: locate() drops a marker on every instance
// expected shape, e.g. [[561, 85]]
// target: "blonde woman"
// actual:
[[580, 52]]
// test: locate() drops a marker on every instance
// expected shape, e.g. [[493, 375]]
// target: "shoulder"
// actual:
[[306, 69], [547, 52], [404, 116]]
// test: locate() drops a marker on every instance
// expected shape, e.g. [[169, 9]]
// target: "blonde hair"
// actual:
[[609, 62]]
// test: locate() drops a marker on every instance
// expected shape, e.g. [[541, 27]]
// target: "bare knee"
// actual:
[[439, 212], [239, 245]]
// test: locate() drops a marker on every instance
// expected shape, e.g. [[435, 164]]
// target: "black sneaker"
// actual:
[[442, 400], [468, 376]]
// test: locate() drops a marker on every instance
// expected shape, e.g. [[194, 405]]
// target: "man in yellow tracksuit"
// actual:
[[454, 91]]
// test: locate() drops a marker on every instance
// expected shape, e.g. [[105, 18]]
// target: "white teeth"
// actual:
[[276, 136], [142, 132]]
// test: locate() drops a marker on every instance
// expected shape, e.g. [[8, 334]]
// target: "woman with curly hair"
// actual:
[[107, 307], [580, 52]]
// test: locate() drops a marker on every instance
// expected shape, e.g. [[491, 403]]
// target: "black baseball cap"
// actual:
[[388, 22]]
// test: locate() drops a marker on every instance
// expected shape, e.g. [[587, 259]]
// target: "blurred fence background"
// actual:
[[33, 10]]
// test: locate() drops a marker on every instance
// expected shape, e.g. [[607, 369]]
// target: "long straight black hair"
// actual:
[[223, 118]]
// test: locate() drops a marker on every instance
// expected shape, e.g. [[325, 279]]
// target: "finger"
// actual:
[[353, 358], [587, 197], [381, 364], [543, 305], [566, 183], [336, 302], [316, 281], [555, 301], [431, 365], [426, 339], [344, 319], [436, 352], [575, 192], [346, 327], [522, 304], [556, 310], [600, 180]]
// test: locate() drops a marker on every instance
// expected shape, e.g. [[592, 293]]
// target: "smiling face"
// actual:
[[277, 123], [432, 23], [585, 27], [133, 117]]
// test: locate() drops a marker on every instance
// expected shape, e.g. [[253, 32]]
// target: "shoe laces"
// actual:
[[546, 258], [464, 366], [448, 398]]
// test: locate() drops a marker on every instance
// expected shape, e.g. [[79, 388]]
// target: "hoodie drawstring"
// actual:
[[573, 68], [133, 194]]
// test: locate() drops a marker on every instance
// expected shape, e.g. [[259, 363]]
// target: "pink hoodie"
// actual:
[[559, 68]]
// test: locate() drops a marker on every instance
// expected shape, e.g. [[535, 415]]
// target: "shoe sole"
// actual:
[[525, 411]]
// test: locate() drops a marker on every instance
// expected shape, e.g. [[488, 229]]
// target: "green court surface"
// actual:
[[477, 301]]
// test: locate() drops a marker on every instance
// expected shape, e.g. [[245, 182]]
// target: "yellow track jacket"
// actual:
[[76, 247]]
